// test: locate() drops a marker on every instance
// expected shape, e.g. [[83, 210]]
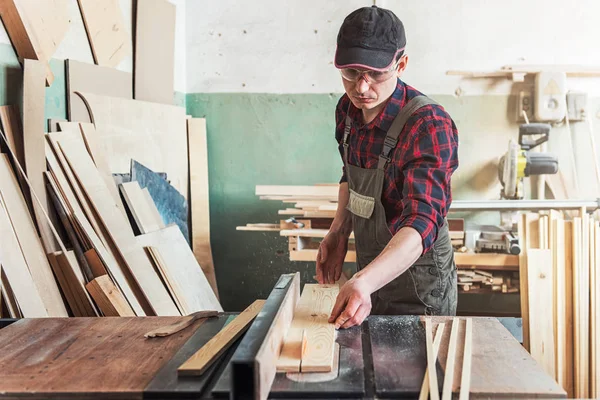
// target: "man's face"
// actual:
[[367, 93]]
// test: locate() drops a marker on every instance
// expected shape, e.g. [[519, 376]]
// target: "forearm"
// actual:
[[342, 222], [400, 254]]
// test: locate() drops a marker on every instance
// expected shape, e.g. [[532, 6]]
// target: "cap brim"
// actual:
[[357, 57]]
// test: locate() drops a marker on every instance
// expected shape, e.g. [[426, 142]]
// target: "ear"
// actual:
[[402, 65]]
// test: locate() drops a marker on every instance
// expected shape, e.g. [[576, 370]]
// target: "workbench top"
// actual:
[[100, 358]]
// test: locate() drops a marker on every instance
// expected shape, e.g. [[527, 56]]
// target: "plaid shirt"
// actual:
[[416, 189]]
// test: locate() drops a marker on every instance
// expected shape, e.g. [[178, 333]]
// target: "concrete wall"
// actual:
[[262, 75]]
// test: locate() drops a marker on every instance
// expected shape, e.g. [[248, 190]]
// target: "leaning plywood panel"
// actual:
[[14, 266], [105, 26], [155, 51], [140, 208], [200, 211], [89, 78], [30, 243], [118, 228], [188, 280], [36, 28], [33, 141], [150, 133]]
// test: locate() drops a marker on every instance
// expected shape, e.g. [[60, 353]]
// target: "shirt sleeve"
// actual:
[[426, 173], [340, 118]]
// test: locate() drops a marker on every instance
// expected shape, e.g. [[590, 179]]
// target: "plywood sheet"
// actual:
[[190, 284], [150, 133], [155, 51], [200, 210], [89, 78], [140, 208], [105, 26]]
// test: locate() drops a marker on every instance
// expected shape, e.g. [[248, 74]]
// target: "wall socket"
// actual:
[[525, 103]]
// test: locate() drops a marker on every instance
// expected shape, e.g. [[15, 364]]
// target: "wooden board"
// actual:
[[153, 209], [541, 318], [33, 144], [29, 241], [15, 268], [106, 30], [199, 201], [203, 358], [160, 266], [150, 133], [90, 78], [155, 51], [188, 280], [86, 357], [118, 228], [139, 208], [36, 28], [311, 318], [11, 126], [110, 301]]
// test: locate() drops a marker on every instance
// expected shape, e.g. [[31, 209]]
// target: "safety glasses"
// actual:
[[354, 75]]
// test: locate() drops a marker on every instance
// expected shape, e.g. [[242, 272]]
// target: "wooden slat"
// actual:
[[138, 205], [203, 358], [592, 290], [163, 271], [33, 250], [155, 51], [9, 297], [118, 228], [84, 77], [200, 210], [450, 361], [33, 144], [36, 28], [465, 381], [596, 315], [434, 393], [424, 393], [541, 319], [95, 263], [311, 316], [153, 209], [585, 305], [106, 30], [73, 274], [311, 255], [110, 301], [190, 285], [568, 304], [11, 126], [160, 127], [14, 266], [560, 300]]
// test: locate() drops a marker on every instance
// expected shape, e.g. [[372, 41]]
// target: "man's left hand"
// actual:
[[353, 304]]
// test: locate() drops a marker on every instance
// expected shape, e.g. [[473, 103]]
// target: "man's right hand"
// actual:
[[330, 257]]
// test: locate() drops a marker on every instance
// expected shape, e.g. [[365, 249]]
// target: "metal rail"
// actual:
[[525, 205]]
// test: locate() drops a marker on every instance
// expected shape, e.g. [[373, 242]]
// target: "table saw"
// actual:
[[385, 357]]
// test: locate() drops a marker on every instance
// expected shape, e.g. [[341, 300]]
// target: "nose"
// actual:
[[362, 86]]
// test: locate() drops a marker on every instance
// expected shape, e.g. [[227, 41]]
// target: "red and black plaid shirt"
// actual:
[[416, 190]]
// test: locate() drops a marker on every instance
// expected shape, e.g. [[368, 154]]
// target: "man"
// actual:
[[399, 150]]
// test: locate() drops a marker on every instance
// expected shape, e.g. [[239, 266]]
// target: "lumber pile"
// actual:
[[560, 306], [477, 281]]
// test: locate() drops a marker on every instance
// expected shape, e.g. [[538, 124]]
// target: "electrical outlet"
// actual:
[[576, 105], [525, 103]]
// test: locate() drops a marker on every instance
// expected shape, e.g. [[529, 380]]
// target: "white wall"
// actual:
[[281, 53]]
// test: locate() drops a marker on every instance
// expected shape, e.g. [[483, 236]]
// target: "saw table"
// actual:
[[104, 358]]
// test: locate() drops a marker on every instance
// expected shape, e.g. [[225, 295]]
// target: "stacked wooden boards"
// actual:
[[559, 302]]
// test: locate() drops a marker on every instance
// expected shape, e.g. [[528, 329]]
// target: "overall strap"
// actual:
[[391, 138]]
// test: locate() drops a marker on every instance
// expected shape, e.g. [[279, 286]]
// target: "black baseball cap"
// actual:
[[370, 37]]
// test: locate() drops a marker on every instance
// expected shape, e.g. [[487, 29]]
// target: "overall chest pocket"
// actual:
[[360, 205]]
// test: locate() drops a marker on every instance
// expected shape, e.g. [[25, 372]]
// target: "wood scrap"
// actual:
[[109, 299], [431, 361], [450, 361], [140, 208], [465, 381], [106, 30], [424, 393], [199, 202], [179, 326], [155, 51], [203, 358]]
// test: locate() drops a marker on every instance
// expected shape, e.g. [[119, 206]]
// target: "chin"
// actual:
[[365, 106]]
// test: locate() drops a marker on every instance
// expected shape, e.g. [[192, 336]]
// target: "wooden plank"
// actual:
[[138, 205], [203, 358], [95, 263], [123, 125], [569, 301], [199, 202], [14, 266], [33, 144], [311, 316], [72, 300], [311, 255], [30, 244], [451, 360], [36, 28], [189, 283], [9, 297], [593, 312], [465, 382], [434, 393], [110, 301], [315, 191], [577, 334], [153, 209], [73, 274], [98, 358], [118, 228], [585, 306], [424, 394], [155, 51], [596, 315], [560, 300], [541, 319], [106, 30], [11, 126], [312, 233], [84, 77], [160, 266]]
